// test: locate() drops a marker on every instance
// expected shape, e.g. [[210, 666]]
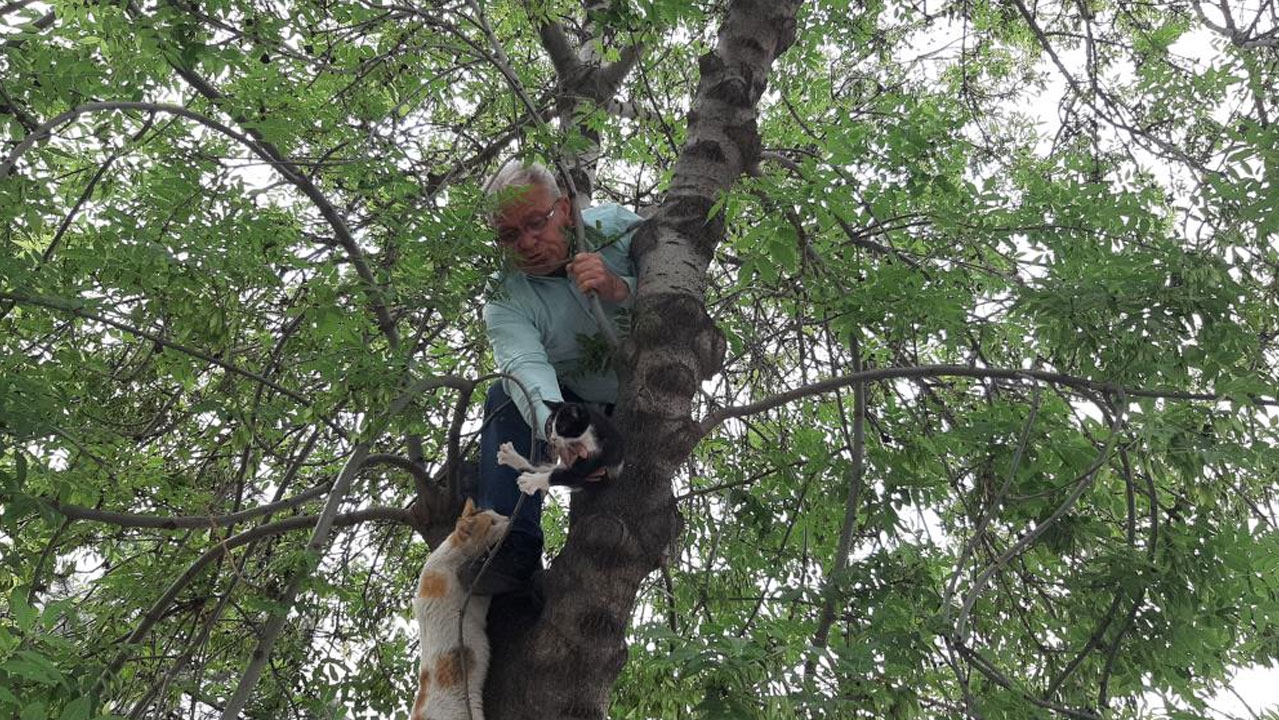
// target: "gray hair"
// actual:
[[515, 174]]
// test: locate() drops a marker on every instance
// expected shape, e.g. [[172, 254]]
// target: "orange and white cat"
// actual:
[[442, 693]]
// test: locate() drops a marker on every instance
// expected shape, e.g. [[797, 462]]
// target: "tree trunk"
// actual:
[[564, 663]]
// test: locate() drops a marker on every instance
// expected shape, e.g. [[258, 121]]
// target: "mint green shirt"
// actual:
[[542, 330]]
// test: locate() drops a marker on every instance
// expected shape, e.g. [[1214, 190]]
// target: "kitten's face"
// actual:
[[478, 530], [568, 421]]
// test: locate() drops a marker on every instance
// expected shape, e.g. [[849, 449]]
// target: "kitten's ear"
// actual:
[[553, 405], [468, 509]]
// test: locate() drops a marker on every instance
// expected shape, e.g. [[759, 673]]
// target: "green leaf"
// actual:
[[23, 613], [77, 709], [33, 666], [783, 251]]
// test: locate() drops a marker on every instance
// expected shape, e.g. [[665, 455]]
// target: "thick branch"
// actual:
[[609, 78], [421, 479], [560, 50], [631, 110]]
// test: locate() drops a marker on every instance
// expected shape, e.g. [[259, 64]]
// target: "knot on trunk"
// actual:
[[711, 347], [606, 541]]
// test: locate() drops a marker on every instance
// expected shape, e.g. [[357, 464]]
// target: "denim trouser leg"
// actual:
[[496, 488]]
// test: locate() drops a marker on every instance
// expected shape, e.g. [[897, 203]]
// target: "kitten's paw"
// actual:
[[507, 455], [531, 482]]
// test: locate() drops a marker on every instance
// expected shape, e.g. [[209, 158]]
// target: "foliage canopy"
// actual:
[[1080, 190]]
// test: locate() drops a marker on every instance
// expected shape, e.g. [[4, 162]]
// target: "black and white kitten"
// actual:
[[574, 430]]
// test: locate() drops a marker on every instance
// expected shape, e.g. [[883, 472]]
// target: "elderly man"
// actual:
[[539, 322]]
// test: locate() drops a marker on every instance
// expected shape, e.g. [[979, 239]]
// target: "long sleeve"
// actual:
[[615, 221], [518, 350], [543, 333]]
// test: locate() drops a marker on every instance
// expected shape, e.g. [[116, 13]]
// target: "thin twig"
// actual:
[[993, 504], [318, 542], [73, 308], [922, 371], [1083, 482], [258, 147], [165, 522], [223, 549], [855, 483]]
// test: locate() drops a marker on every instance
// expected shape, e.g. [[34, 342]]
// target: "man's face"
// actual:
[[530, 225]]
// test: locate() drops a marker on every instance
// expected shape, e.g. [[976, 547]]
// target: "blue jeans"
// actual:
[[496, 488]]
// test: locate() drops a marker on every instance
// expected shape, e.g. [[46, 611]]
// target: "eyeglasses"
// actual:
[[512, 235]]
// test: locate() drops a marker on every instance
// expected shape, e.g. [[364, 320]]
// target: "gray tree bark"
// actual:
[[564, 663]]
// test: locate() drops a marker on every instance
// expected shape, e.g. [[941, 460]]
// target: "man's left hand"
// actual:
[[591, 275]]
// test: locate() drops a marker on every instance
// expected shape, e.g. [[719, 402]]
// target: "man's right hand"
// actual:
[[592, 275]]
